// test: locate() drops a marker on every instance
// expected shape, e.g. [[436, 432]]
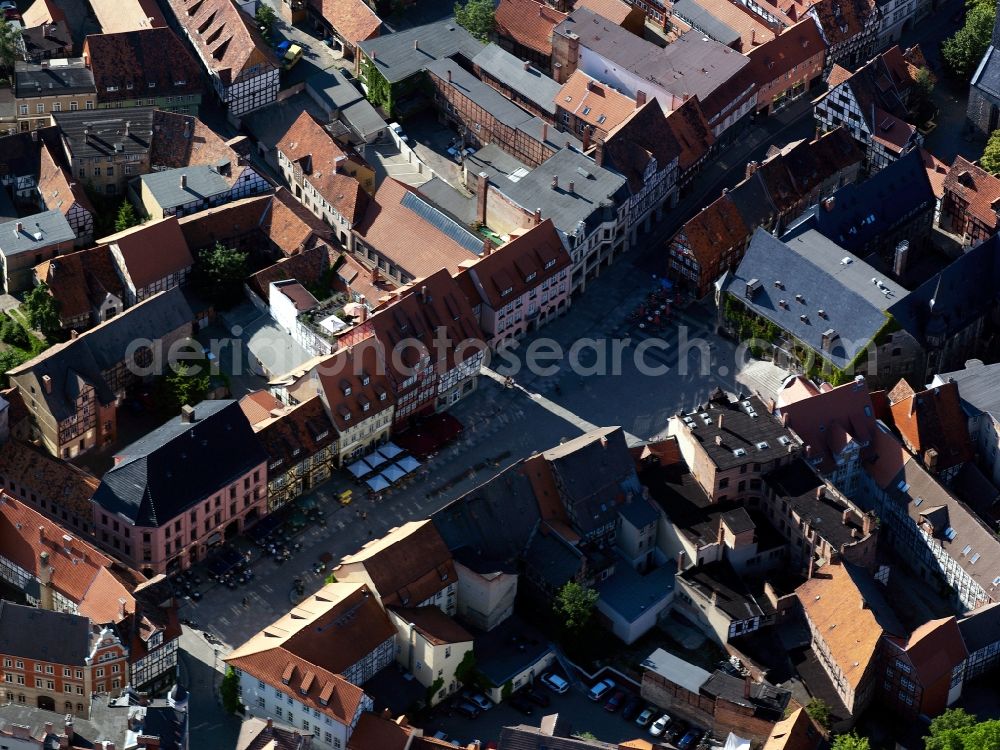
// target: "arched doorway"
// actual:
[[232, 529], [46, 703], [251, 518]]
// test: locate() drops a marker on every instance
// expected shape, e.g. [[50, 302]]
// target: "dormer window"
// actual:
[[181, 82], [128, 85], [112, 88], [381, 396], [152, 84], [365, 406], [506, 291], [365, 380], [347, 416], [550, 263], [530, 277]]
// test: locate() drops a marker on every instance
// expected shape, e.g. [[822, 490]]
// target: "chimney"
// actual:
[[545, 132], [809, 572], [184, 181], [753, 37], [121, 608], [828, 203], [18, 228], [527, 65], [680, 560], [47, 383], [482, 190], [34, 136], [538, 217], [45, 597], [48, 728], [68, 729], [640, 98], [718, 439], [721, 416], [931, 459], [557, 72], [423, 294], [487, 247], [820, 492], [416, 44], [900, 258], [362, 314], [187, 414], [572, 186], [599, 153], [747, 684], [586, 138], [270, 724], [449, 75], [128, 126], [845, 516], [751, 168], [784, 419], [555, 182]]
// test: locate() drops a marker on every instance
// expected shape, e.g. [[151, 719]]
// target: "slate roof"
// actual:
[[952, 299], [481, 94], [48, 79], [977, 386], [987, 75], [145, 486], [811, 266], [527, 81], [552, 558], [702, 18], [44, 635], [397, 214], [307, 144], [860, 213], [538, 255], [528, 23], [47, 40], [396, 59], [145, 62], [643, 137], [981, 627], [631, 594], [226, 38], [99, 133], [597, 191], [36, 232], [352, 19], [202, 183]]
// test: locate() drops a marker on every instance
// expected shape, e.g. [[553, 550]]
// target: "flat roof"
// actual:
[[52, 78], [525, 79], [405, 53], [675, 669], [631, 593]]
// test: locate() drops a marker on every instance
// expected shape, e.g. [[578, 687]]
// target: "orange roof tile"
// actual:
[[975, 186], [528, 23], [932, 420], [379, 733], [152, 251], [353, 384], [937, 170], [352, 19], [435, 626], [713, 230], [753, 32], [836, 608], [259, 406], [315, 151], [935, 649], [692, 132], [776, 58], [80, 280], [57, 190], [797, 731], [594, 102], [79, 571], [369, 283]]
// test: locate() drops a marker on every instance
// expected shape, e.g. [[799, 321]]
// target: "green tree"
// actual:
[[965, 48], [229, 690], [477, 17], [433, 689], [9, 359], [575, 606], [957, 730], [850, 742], [184, 384], [13, 333], [266, 18], [585, 736], [507, 690], [219, 275], [379, 90], [126, 218], [42, 310], [921, 102], [10, 42], [467, 672], [990, 160], [818, 709]]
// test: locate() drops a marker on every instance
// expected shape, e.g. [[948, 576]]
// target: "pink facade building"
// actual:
[[184, 488]]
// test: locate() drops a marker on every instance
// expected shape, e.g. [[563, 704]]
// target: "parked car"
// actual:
[[690, 739], [659, 726], [478, 699], [469, 710], [632, 706], [292, 56], [396, 128], [555, 683], [536, 697], [615, 701], [520, 702], [600, 689], [645, 717], [282, 47]]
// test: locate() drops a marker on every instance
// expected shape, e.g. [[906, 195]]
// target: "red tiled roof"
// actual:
[[528, 23], [259, 406], [296, 434], [642, 137], [838, 75], [797, 732], [378, 733], [435, 626], [56, 188], [503, 274], [26, 465], [843, 19], [937, 171], [315, 151], [80, 280], [181, 140], [975, 186], [713, 230], [593, 102], [775, 58], [408, 565], [935, 649], [369, 283], [692, 132], [389, 227], [353, 384], [352, 19], [152, 61], [152, 251], [932, 420], [79, 571], [892, 132]]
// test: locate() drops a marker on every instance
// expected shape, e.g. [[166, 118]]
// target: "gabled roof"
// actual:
[[42, 12], [261, 734], [56, 187], [397, 214], [523, 79], [935, 649], [713, 230], [745, 30], [145, 62], [152, 251], [330, 631], [100, 133], [295, 435], [881, 86], [260, 407], [181, 140], [116, 16], [434, 626], [404, 53], [408, 565], [615, 11], [72, 487], [353, 385], [32, 233], [528, 23], [375, 732], [981, 627], [81, 280], [309, 146], [842, 20], [52, 77], [796, 732], [216, 448], [844, 605], [172, 188], [81, 362], [593, 102], [522, 264], [352, 19], [779, 55], [932, 420], [692, 132], [226, 38], [48, 41], [975, 187], [642, 138]]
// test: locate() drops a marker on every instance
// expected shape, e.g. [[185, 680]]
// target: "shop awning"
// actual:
[[393, 473], [375, 459], [408, 463], [390, 450], [377, 483], [359, 468]]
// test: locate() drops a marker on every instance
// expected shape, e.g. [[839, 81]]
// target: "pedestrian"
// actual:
[[246, 602]]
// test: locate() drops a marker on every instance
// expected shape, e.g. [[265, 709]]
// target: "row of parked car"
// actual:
[[632, 709]]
